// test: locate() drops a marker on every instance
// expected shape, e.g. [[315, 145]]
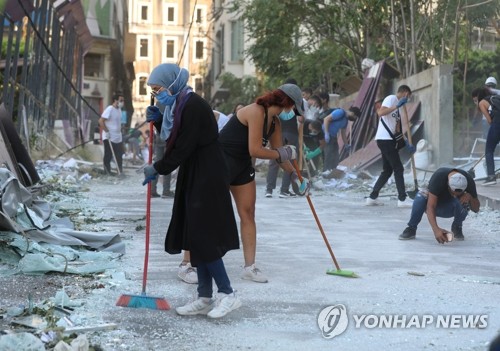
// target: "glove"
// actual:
[[287, 152], [410, 148], [401, 102], [300, 187], [150, 174], [347, 147], [306, 149], [327, 138], [312, 154], [153, 114]]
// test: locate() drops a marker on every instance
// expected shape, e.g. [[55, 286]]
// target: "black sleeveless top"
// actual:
[[234, 137]]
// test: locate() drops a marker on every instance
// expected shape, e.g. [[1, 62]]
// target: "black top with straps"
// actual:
[[234, 136]]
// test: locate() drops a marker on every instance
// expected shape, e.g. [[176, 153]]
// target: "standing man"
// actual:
[[452, 193], [491, 84], [390, 119], [110, 123]]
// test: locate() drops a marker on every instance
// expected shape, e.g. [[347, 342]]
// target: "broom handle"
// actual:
[[148, 207], [317, 219]]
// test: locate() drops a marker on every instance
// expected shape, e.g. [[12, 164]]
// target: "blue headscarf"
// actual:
[[174, 78]]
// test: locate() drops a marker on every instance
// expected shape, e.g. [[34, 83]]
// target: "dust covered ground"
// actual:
[[397, 278]]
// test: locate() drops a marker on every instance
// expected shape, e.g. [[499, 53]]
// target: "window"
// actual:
[[144, 13], [142, 87], [237, 40], [200, 14], [170, 48], [199, 49], [143, 46], [93, 65], [170, 14], [199, 18]]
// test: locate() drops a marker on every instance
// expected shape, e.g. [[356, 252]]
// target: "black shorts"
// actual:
[[241, 171]]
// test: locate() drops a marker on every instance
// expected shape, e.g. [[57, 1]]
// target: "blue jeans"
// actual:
[[491, 143], [391, 162], [216, 270], [445, 209]]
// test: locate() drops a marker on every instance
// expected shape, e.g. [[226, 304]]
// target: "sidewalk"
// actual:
[[408, 278]]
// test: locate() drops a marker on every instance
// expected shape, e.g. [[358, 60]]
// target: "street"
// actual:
[[402, 278]]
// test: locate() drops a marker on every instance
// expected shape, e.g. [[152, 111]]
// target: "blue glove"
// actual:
[[150, 174], [300, 188], [327, 137], [153, 114], [402, 101], [411, 149]]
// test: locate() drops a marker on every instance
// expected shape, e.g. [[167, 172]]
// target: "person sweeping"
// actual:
[[202, 216]]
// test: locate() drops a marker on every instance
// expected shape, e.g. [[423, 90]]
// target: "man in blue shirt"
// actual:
[[332, 124]]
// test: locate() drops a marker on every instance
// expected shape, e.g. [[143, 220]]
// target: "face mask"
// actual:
[[121, 104], [286, 116], [313, 133], [165, 98]]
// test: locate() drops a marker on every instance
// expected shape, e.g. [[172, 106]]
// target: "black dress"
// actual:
[[202, 216]]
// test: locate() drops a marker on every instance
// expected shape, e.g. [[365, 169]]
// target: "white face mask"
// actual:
[[121, 104]]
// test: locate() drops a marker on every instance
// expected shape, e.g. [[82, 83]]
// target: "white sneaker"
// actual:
[[326, 173], [202, 305], [405, 204], [373, 202], [254, 274], [187, 273], [269, 193], [225, 304]]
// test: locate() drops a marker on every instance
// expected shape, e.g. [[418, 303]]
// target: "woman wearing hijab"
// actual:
[[255, 132], [202, 216]]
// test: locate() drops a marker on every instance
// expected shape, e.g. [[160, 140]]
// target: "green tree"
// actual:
[[243, 90]]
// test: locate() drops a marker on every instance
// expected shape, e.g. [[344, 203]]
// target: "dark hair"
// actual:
[[307, 90], [290, 80], [324, 96], [316, 98], [275, 98], [480, 93], [355, 110], [116, 97], [404, 89], [316, 125]]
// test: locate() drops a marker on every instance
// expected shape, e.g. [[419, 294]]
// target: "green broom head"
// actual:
[[143, 301], [342, 273]]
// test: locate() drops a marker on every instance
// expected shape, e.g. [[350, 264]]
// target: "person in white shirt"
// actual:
[[110, 123], [391, 162]]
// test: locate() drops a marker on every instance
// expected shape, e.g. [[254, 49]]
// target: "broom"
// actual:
[[337, 271], [142, 300]]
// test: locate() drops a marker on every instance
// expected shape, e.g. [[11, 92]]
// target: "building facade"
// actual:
[[168, 31], [228, 49]]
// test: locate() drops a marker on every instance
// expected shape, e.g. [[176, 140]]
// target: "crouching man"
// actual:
[[451, 193]]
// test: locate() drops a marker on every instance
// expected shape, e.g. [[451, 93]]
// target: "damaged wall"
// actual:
[[433, 89]]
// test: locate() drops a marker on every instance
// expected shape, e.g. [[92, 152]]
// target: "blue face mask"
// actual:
[[165, 98], [286, 116]]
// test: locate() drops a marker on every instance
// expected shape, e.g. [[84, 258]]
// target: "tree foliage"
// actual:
[[243, 90], [322, 42]]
